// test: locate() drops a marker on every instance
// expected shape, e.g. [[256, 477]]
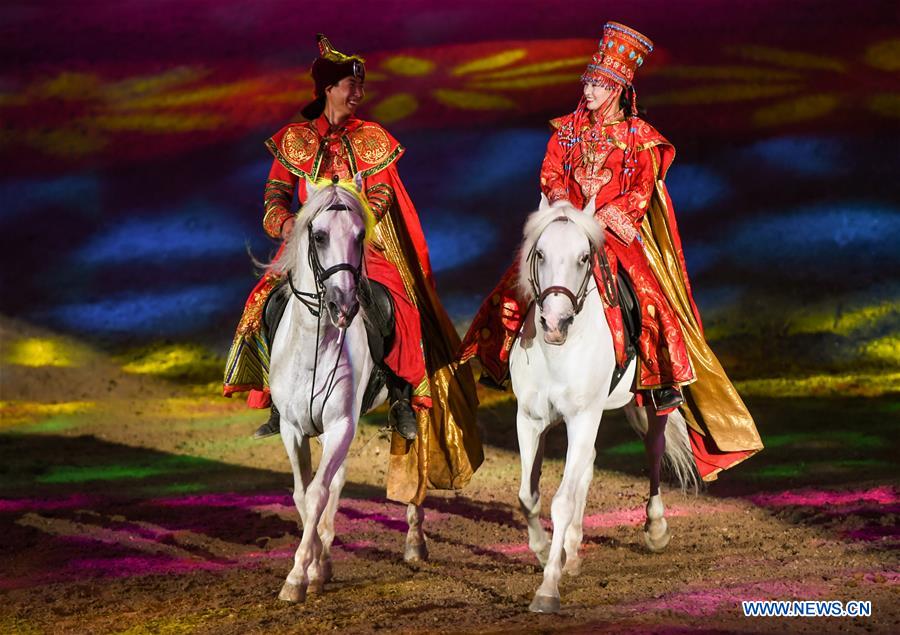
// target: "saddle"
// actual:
[[378, 317]]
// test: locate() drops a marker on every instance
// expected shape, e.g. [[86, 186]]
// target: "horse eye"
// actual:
[[585, 258], [320, 237], [539, 254], [361, 236]]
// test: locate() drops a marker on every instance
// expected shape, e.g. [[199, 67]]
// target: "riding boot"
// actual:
[[401, 416], [272, 312], [665, 400], [270, 427]]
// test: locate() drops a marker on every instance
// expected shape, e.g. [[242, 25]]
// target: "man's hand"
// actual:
[[287, 228]]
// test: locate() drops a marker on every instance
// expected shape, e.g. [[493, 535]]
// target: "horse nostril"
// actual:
[[543, 323], [566, 323]]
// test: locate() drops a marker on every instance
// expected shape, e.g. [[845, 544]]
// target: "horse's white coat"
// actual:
[[291, 376], [568, 381]]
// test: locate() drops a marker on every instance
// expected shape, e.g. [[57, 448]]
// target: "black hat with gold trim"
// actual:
[[329, 68]]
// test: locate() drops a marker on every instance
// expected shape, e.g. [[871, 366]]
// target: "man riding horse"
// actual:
[[411, 337]]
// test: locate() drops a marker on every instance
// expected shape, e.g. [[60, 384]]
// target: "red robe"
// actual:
[[447, 449], [598, 169], [312, 150], [624, 165]]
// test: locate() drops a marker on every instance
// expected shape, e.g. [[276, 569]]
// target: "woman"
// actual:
[[603, 150]]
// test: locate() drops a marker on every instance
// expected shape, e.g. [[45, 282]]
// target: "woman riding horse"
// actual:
[[433, 402], [603, 150]]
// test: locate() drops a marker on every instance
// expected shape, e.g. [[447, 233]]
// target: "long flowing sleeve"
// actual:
[[624, 213], [278, 196], [553, 179]]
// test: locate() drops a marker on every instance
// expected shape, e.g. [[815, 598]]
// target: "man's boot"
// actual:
[[665, 400], [401, 416], [270, 427]]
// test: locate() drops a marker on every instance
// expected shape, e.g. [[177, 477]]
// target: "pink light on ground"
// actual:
[[709, 601], [637, 515], [885, 495], [18, 505]]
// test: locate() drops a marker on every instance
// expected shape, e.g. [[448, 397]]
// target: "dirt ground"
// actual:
[[129, 504]]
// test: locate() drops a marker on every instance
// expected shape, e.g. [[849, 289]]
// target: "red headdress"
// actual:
[[622, 51]]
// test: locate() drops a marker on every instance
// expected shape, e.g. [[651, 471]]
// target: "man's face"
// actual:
[[345, 96]]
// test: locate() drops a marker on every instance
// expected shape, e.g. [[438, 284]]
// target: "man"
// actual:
[[430, 397]]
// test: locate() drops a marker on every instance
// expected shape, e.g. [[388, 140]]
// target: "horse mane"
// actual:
[[326, 195], [535, 225]]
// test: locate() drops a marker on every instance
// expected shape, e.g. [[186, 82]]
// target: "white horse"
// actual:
[[320, 366], [554, 381]]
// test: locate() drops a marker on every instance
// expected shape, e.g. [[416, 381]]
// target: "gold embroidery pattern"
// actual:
[[381, 197], [616, 220], [299, 144], [378, 168], [251, 320], [370, 143]]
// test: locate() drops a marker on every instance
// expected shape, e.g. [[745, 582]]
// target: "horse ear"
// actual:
[[358, 182], [545, 203], [311, 188], [591, 206]]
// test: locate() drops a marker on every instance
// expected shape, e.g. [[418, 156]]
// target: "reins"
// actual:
[[313, 302]]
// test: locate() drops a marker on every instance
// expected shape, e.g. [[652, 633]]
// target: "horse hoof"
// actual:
[[415, 553], [657, 541], [316, 586], [294, 593], [327, 572], [544, 604]]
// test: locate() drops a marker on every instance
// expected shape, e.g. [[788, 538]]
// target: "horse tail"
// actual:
[[678, 458]]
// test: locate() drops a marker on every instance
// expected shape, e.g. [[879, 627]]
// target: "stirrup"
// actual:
[[402, 418], [269, 428]]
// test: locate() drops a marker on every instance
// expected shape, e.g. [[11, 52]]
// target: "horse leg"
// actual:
[[322, 573], [656, 529], [531, 454], [582, 434], [335, 443], [575, 532], [416, 550]]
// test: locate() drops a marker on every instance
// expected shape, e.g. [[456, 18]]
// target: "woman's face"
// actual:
[[596, 95], [345, 96]]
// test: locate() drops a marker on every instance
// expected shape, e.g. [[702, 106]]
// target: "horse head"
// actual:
[[556, 263], [329, 236]]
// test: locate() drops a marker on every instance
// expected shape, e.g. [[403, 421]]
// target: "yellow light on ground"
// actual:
[[171, 360], [38, 352], [885, 349], [849, 385], [14, 413]]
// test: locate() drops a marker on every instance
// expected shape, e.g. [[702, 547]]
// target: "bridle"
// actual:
[[313, 300], [313, 303], [577, 299]]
